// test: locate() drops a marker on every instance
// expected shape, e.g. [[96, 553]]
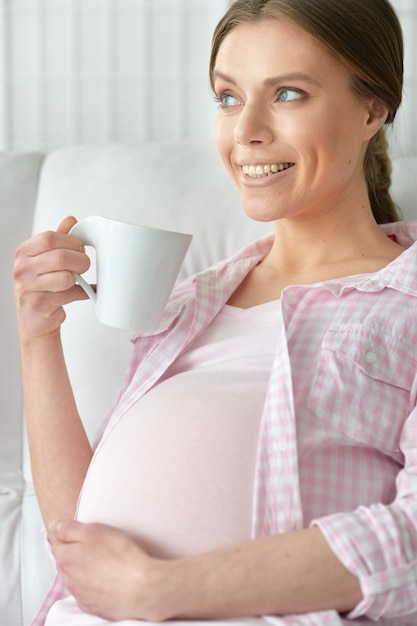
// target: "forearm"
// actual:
[[290, 573], [59, 448]]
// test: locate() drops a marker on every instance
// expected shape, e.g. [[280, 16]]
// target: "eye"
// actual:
[[226, 100], [288, 95]]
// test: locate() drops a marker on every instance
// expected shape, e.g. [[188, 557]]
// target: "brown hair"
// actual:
[[366, 36]]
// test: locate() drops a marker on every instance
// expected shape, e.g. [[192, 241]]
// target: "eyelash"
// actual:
[[221, 97], [300, 93]]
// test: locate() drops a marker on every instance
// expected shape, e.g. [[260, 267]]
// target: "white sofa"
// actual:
[[181, 186]]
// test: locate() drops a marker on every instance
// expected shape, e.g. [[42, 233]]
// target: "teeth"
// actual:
[[259, 171]]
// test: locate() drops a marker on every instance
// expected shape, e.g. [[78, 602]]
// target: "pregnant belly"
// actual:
[[177, 471]]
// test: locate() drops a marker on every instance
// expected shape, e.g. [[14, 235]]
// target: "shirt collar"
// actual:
[[401, 273]]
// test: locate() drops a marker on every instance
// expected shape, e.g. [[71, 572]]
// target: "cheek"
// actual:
[[222, 133], [224, 142], [323, 145], [219, 137]]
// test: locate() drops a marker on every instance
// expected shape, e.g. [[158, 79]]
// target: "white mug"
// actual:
[[136, 270]]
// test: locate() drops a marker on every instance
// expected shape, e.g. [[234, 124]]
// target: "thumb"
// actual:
[[66, 224], [66, 531]]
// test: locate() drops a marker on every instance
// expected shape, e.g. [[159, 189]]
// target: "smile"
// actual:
[[260, 171]]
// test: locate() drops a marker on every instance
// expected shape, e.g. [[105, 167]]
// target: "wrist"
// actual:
[[33, 341], [156, 590], [175, 580], [194, 588], [174, 589]]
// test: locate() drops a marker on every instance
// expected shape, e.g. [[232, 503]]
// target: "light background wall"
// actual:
[[404, 138], [76, 71], [81, 71]]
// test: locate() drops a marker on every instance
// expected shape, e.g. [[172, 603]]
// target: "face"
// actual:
[[289, 129]]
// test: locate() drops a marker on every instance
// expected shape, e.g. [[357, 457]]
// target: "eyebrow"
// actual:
[[271, 82]]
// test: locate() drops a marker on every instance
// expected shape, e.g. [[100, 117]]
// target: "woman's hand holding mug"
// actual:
[[44, 279]]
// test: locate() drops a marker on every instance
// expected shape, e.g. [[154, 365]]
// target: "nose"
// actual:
[[253, 125]]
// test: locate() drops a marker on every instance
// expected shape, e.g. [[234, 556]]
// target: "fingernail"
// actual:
[[54, 527]]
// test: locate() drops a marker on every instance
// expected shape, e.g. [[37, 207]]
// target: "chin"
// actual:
[[260, 212]]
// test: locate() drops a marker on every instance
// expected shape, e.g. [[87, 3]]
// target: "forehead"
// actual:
[[275, 46]]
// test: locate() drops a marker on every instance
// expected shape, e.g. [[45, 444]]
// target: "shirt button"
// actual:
[[370, 357]]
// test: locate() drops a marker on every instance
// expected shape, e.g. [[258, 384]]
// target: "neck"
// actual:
[[303, 244], [314, 251]]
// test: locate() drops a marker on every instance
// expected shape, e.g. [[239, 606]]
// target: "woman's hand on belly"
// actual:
[[110, 575], [108, 572]]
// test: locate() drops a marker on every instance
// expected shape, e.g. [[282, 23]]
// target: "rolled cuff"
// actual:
[[377, 545]]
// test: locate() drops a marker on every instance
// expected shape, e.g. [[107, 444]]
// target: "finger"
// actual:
[[46, 304], [66, 224], [51, 271], [68, 531], [61, 260], [74, 294], [48, 240]]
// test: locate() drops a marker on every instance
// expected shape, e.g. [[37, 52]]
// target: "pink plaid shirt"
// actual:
[[338, 441]]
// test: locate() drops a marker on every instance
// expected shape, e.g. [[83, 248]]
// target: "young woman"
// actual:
[[298, 496]]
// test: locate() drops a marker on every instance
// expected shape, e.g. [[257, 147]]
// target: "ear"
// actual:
[[377, 114]]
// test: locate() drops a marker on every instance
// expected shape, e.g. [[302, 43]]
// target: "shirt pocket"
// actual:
[[361, 386]]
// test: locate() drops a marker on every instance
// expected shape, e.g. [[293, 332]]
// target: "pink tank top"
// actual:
[[177, 471]]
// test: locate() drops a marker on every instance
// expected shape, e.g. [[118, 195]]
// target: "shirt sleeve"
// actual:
[[378, 543]]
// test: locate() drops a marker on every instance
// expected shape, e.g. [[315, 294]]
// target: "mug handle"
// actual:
[[86, 286], [80, 230]]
